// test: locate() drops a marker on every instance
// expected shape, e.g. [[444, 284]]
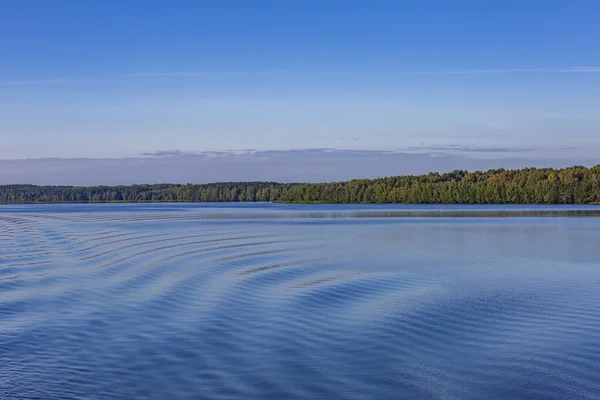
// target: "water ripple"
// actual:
[[290, 303]]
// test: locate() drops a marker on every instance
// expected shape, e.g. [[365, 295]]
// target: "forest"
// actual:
[[573, 185]]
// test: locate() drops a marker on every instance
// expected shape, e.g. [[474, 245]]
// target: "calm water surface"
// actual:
[[257, 301]]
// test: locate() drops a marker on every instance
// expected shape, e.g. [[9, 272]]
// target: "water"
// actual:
[[257, 301]]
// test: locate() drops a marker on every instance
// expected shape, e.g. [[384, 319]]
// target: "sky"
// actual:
[[473, 79]]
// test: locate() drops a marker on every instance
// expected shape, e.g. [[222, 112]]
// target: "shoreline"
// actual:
[[572, 185], [286, 202]]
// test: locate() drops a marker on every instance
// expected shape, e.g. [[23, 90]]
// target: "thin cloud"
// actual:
[[48, 81], [166, 74], [568, 70], [561, 70], [169, 153], [349, 73], [464, 149], [35, 82]]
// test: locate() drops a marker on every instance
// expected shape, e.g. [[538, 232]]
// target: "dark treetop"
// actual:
[[574, 185]]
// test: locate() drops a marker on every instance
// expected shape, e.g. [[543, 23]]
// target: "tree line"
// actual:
[[573, 185]]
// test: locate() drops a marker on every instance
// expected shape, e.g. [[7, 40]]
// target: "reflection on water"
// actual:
[[294, 301]]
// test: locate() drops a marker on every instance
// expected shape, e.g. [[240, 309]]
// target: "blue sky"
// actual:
[[111, 79]]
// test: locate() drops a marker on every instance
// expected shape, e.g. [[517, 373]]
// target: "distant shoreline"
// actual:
[[281, 202], [573, 185]]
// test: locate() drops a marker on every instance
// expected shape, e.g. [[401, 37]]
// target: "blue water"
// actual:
[[260, 301]]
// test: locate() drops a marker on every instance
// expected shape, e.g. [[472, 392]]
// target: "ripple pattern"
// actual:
[[186, 304]]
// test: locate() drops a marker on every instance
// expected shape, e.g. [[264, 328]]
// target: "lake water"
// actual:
[[264, 301]]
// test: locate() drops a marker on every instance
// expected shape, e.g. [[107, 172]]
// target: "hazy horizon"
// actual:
[[303, 165]]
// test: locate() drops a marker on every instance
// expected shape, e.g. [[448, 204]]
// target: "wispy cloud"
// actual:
[[306, 73], [169, 73], [455, 148], [27, 82], [50, 81], [562, 70], [169, 153], [310, 152]]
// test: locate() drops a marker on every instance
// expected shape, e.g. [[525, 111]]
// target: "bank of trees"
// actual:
[[214, 192], [574, 185]]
